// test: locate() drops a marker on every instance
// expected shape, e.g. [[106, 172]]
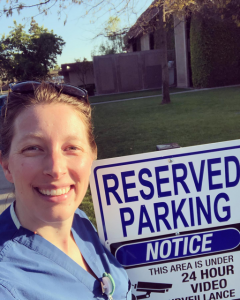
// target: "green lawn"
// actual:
[[96, 99], [194, 118]]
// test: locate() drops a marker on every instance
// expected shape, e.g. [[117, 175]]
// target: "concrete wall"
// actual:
[[75, 79], [128, 72], [105, 74], [181, 52]]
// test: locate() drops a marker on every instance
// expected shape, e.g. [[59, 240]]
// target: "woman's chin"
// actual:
[[57, 215]]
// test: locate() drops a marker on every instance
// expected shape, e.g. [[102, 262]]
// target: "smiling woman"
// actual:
[[45, 240]]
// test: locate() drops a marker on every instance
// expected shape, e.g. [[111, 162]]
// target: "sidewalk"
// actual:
[[175, 93], [6, 197]]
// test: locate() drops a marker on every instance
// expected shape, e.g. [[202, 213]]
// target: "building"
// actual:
[[144, 35], [78, 74]]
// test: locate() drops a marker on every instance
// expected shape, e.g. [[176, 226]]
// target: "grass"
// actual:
[[87, 207], [196, 118], [147, 93]]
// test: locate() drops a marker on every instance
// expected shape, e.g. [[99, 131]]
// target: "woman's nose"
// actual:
[[55, 164]]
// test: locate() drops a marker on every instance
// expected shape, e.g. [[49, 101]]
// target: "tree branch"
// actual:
[[21, 6]]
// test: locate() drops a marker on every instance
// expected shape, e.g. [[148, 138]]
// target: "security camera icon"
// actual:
[[150, 287]]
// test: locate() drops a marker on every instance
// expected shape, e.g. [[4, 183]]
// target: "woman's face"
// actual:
[[49, 163]]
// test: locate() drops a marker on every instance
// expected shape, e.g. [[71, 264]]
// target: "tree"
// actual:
[[29, 56], [225, 8], [83, 67], [3, 75], [115, 42], [162, 9], [113, 45]]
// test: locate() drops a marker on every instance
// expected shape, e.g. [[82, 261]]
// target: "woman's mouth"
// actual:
[[54, 192]]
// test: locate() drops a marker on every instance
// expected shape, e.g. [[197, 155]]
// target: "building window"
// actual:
[[136, 45], [151, 41]]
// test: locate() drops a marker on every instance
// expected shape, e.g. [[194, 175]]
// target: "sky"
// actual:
[[80, 30]]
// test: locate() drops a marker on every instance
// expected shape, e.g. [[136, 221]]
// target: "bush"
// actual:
[[215, 52]]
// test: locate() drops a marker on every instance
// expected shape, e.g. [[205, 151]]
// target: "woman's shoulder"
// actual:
[[7, 228], [80, 214], [5, 218]]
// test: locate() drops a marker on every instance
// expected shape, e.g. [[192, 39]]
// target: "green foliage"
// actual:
[[113, 45], [215, 52], [29, 56], [56, 68], [112, 24]]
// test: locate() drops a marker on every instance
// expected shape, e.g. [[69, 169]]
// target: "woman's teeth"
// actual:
[[55, 192]]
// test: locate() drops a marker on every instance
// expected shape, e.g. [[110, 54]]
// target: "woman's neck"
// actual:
[[57, 233], [60, 235]]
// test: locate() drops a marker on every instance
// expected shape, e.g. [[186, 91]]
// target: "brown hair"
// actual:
[[44, 94]]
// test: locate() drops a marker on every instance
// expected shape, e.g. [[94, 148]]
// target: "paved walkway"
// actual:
[[6, 196], [176, 93]]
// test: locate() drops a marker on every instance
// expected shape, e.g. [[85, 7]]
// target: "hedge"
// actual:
[[215, 52]]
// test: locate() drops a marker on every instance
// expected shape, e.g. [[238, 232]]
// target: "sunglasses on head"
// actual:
[[25, 87]]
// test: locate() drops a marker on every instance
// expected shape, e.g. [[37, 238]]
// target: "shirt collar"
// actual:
[[14, 216]]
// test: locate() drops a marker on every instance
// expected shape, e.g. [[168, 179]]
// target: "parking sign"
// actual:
[[172, 220]]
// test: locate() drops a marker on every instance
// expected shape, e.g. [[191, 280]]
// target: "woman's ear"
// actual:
[[5, 166]]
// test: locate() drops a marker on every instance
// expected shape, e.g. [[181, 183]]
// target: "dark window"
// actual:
[[151, 41], [134, 46]]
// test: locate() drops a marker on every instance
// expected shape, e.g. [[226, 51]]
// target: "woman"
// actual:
[[48, 247]]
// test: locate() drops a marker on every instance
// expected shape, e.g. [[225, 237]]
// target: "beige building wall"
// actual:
[[181, 52], [145, 43]]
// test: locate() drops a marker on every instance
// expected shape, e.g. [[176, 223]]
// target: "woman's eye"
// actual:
[[32, 148], [72, 148]]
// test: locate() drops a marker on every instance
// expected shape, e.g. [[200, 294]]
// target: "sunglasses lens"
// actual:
[[30, 86], [24, 87], [72, 91]]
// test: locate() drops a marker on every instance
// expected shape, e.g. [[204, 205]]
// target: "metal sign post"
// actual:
[[172, 220]]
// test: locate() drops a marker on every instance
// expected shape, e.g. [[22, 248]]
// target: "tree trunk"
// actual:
[[164, 60]]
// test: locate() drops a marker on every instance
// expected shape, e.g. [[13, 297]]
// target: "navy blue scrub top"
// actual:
[[33, 268]]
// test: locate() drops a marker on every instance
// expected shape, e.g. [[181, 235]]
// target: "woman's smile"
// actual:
[[54, 192], [56, 195]]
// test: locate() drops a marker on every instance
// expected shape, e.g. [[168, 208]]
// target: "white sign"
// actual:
[[172, 219]]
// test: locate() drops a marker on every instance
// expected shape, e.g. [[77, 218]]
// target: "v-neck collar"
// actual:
[[43, 247], [14, 216], [88, 255]]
